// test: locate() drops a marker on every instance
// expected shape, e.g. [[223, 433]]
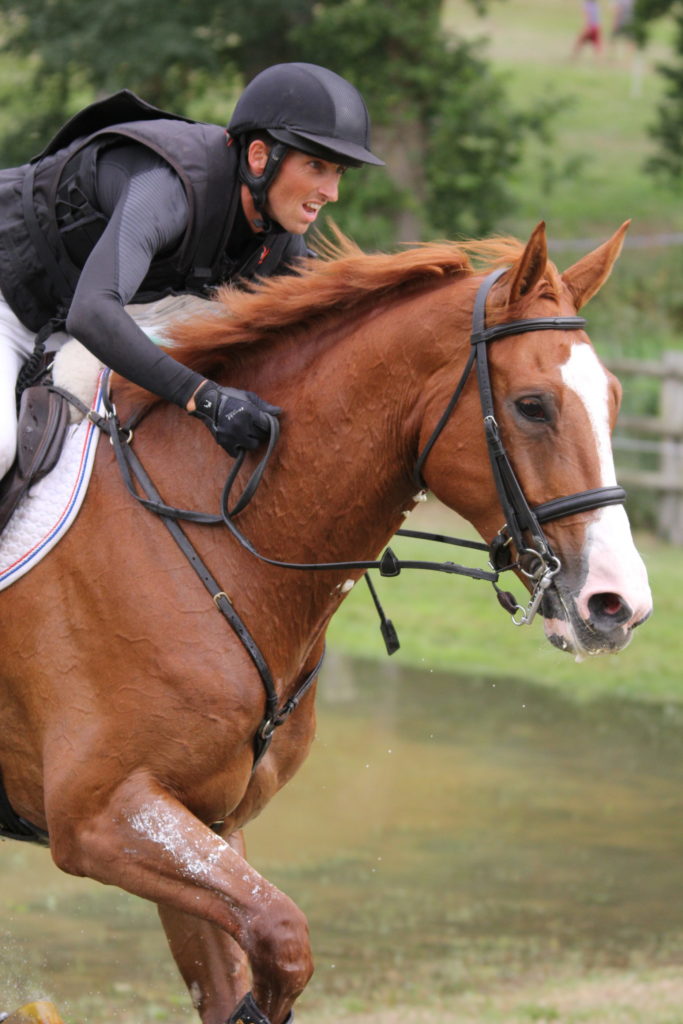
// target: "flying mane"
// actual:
[[342, 279]]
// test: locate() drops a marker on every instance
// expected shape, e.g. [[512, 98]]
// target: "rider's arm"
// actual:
[[147, 210]]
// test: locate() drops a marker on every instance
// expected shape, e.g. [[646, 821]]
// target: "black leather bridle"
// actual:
[[522, 527], [522, 523]]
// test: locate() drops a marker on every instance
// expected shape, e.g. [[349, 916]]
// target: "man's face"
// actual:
[[303, 185]]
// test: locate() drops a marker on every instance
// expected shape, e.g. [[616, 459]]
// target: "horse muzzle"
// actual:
[[603, 626]]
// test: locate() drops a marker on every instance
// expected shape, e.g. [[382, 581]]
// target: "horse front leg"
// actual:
[[146, 842], [212, 965]]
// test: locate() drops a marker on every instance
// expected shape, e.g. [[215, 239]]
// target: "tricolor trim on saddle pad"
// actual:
[[51, 505]]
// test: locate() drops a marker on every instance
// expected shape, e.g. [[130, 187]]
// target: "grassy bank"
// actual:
[[605, 997], [604, 107], [592, 177], [449, 622]]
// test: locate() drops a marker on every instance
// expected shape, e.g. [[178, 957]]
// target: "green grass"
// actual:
[[592, 178], [447, 622], [604, 109]]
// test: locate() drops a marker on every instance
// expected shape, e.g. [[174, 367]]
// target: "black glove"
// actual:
[[235, 418]]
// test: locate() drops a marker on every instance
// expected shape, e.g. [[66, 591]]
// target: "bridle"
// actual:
[[522, 523], [522, 526]]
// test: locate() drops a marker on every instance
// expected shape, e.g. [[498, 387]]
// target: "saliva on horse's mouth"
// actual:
[[603, 645]]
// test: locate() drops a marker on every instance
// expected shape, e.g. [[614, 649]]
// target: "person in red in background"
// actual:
[[591, 31]]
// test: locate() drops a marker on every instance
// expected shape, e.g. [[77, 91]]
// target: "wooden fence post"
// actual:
[[671, 505]]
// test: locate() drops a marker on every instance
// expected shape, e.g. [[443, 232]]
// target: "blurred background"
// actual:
[[486, 831]]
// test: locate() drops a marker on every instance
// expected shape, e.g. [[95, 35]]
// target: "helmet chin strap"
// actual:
[[258, 184]]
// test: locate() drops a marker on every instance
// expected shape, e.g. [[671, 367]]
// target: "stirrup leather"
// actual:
[[43, 423]]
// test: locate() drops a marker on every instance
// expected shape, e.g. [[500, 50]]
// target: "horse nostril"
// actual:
[[608, 609]]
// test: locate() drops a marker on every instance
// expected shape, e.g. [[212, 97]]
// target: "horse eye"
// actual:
[[532, 409]]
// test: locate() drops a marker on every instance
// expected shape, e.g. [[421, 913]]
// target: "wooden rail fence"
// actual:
[[660, 436]]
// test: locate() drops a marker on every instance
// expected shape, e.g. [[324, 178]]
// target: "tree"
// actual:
[[668, 128], [442, 119]]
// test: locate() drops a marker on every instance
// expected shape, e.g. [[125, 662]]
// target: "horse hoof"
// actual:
[[248, 1013], [40, 1012]]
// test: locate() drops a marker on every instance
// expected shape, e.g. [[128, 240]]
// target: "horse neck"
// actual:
[[340, 479], [353, 400]]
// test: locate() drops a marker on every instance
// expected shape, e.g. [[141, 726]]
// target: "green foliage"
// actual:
[[367, 210], [77, 49], [645, 11], [668, 129], [468, 194], [450, 135], [454, 123]]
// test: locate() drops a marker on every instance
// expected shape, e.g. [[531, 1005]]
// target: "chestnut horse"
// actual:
[[129, 705]]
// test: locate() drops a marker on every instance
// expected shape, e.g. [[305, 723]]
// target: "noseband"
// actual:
[[522, 525]]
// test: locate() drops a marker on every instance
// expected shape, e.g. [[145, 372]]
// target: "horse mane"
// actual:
[[343, 278]]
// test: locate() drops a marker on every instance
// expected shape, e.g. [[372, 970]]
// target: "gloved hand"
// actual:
[[235, 418]]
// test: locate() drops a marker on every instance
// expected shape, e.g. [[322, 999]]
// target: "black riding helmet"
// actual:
[[304, 107]]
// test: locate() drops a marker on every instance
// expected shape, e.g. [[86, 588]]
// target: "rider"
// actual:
[[129, 203]]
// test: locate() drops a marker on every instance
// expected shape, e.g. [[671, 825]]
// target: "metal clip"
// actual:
[[266, 729], [537, 595]]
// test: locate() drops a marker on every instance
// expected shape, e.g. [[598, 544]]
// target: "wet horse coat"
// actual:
[[129, 708]]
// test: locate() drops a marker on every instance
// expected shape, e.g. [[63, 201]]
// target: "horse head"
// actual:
[[361, 350], [555, 406]]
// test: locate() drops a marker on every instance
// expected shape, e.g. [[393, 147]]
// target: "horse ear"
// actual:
[[587, 277], [531, 265]]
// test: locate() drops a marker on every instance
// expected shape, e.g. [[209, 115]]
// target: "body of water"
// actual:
[[446, 834]]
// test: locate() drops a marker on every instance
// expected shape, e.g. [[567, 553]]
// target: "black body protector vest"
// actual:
[[43, 202]]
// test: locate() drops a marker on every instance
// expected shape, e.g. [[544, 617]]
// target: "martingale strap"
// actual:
[[133, 472]]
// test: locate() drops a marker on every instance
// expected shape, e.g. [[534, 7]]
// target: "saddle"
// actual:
[[41, 431]]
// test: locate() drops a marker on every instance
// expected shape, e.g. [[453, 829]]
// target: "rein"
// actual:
[[132, 472], [535, 558]]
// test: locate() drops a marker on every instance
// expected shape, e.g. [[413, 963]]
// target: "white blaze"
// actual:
[[585, 376], [614, 565]]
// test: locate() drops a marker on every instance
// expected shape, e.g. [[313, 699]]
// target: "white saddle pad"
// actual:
[[49, 507]]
